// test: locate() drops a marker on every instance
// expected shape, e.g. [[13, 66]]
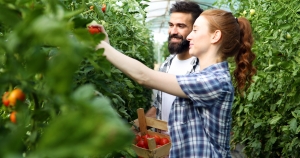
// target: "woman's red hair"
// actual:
[[236, 41]]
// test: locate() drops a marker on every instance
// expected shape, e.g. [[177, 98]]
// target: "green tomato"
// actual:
[[288, 36], [244, 12], [38, 76], [252, 12]]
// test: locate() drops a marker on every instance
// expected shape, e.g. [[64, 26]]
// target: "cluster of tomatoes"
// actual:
[[9, 99], [103, 8], [141, 141]]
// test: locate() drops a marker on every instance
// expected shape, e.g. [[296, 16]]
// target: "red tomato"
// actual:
[[146, 136], [137, 138], [103, 8], [16, 94], [157, 138], [142, 144], [94, 30], [164, 141], [5, 100], [12, 117]]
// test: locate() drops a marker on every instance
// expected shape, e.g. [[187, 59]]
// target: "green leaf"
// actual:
[[85, 92], [286, 26], [296, 113], [270, 142], [9, 16], [119, 98], [275, 119], [241, 108], [80, 22], [98, 129], [279, 101], [298, 130], [293, 125], [130, 95], [257, 124], [250, 96], [129, 83], [130, 151], [103, 64], [284, 128]]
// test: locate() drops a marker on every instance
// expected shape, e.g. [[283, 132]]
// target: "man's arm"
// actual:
[[151, 112]]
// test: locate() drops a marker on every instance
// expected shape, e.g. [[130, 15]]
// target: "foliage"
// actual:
[[75, 100], [124, 22], [267, 120], [164, 49]]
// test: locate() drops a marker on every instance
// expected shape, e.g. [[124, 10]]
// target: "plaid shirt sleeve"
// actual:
[[202, 88]]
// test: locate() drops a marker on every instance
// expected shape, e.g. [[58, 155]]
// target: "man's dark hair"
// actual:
[[187, 7]]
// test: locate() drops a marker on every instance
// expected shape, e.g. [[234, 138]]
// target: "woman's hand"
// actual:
[[102, 30]]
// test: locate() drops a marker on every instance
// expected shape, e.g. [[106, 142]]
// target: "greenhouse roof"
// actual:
[[158, 16]]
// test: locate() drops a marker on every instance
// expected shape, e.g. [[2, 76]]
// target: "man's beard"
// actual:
[[178, 47]]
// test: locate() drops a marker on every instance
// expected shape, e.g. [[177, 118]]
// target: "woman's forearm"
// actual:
[[129, 66], [140, 73]]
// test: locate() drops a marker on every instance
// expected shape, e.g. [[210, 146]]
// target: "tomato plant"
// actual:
[[125, 24], [267, 119], [47, 51]]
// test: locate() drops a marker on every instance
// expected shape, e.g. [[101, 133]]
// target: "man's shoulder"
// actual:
[[169, 58], [166, 63]]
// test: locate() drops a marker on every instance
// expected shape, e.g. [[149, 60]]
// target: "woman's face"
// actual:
[[199, 37]]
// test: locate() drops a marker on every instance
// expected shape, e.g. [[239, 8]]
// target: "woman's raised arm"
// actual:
[[140, 73]]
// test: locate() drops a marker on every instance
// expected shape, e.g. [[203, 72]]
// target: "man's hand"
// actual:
[[151, 112]]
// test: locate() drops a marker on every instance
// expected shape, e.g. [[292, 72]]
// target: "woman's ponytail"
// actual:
[[244, 58]]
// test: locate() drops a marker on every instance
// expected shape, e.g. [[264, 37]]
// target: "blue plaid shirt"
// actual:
[[200, 124], [165, 66]]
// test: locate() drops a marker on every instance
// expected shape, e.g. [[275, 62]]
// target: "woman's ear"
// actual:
[[216, 36]]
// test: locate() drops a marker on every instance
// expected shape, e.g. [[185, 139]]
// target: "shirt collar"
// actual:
[[222, 66]]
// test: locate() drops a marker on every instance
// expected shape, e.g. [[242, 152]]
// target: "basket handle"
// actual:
[[142, 121]]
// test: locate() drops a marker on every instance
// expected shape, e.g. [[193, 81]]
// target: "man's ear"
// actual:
[[216, 36]]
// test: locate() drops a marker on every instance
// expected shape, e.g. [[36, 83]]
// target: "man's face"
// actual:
[[180, 25]]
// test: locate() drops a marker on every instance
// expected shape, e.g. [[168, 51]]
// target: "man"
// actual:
[[182, 17]]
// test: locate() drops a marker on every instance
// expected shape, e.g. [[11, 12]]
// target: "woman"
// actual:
[[200, 118]]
